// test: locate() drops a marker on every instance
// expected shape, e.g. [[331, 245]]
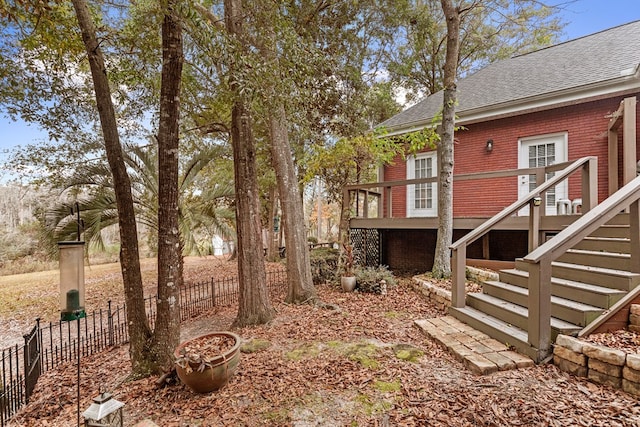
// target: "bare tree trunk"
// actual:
[[319, 210], [254, 306], [300, 282], [442, 257], [272, 236], [139, 332], [345, 211], [170, 279]]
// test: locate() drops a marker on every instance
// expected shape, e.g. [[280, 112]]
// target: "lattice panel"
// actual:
[[366, 246]]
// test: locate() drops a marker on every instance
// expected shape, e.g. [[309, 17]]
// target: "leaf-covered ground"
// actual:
[[362, 364]]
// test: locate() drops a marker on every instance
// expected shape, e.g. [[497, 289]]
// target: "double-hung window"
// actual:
[[422, 198]]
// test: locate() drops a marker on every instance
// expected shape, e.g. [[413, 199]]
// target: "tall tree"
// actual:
[[300, 283], [167, 329], [139, 331], [254, 306], [442, 259]]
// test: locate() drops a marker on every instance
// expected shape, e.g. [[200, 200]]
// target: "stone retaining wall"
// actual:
[[442, 297], [602, 365], [634, 318], [439, 296]]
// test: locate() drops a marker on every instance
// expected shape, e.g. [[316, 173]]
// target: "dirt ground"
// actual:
[[346, 366]]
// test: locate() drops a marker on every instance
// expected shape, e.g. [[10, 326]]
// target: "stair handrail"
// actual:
[[587, 223], [540, 259], [459, 248]]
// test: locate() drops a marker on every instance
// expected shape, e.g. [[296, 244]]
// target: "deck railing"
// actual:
[[374, 199]]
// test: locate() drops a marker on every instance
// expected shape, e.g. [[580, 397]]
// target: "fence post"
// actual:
[[213, 292], [110, 323], [31, 355]]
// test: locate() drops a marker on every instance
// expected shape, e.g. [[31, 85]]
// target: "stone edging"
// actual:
[[602, 365], [442, 297], [439, 296]]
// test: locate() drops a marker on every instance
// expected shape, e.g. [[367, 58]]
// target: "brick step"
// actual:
[[597, 296], [480, 353], [570, 311], [498, 329]]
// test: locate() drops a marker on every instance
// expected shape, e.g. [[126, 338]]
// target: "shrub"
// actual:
[[368, 279], [324, 265]]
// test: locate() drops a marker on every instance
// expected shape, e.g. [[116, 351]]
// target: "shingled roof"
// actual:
[[604, 62]]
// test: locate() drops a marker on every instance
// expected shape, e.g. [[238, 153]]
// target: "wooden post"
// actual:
[[629, 140], [612, 136], [486, 253], [539, 322], [541, 176], [612, 164], [634, 234], [365, 206], [534, 223], [458, 276], [387, 192], [590, 185]]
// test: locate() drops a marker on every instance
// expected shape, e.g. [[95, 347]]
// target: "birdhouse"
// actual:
[[71, 280], [105, 411]]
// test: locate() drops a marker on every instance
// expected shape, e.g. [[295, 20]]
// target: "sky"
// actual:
[[583, 17]]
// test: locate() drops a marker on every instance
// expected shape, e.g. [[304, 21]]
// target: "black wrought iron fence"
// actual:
[[52, 344]]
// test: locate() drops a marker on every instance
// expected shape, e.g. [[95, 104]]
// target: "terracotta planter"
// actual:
[[348, 283], [219, 368]]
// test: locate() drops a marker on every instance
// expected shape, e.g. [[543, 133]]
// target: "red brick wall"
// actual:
[[586, 125], [397, 171]]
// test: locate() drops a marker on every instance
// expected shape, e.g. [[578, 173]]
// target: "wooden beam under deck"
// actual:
[[548, 223]]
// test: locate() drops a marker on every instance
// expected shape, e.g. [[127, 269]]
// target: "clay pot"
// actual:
[[348, 283], [219, 368]]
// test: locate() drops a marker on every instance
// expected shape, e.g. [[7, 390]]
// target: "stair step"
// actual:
[[617, 261], [606, 277], [561, 308], [497, 329], [606, 244], [612, 230], [516, 315], [597, 296]]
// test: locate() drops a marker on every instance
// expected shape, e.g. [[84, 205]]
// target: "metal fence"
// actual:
[[52, 344]]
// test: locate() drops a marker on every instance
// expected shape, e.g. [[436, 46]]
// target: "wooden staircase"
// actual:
[[586, 280]]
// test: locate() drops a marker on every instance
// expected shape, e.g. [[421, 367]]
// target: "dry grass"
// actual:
[[25, 297]]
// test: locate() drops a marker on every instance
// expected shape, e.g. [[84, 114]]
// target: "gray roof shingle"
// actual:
[[592, 59]]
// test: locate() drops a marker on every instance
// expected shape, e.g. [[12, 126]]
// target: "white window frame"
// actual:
[[412, 211], [561, 140]]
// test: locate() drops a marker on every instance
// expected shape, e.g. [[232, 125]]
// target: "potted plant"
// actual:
[[348, 278], [206, 363]]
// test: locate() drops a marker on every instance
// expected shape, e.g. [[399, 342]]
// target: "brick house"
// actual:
[[545, 107], [546, 138]]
